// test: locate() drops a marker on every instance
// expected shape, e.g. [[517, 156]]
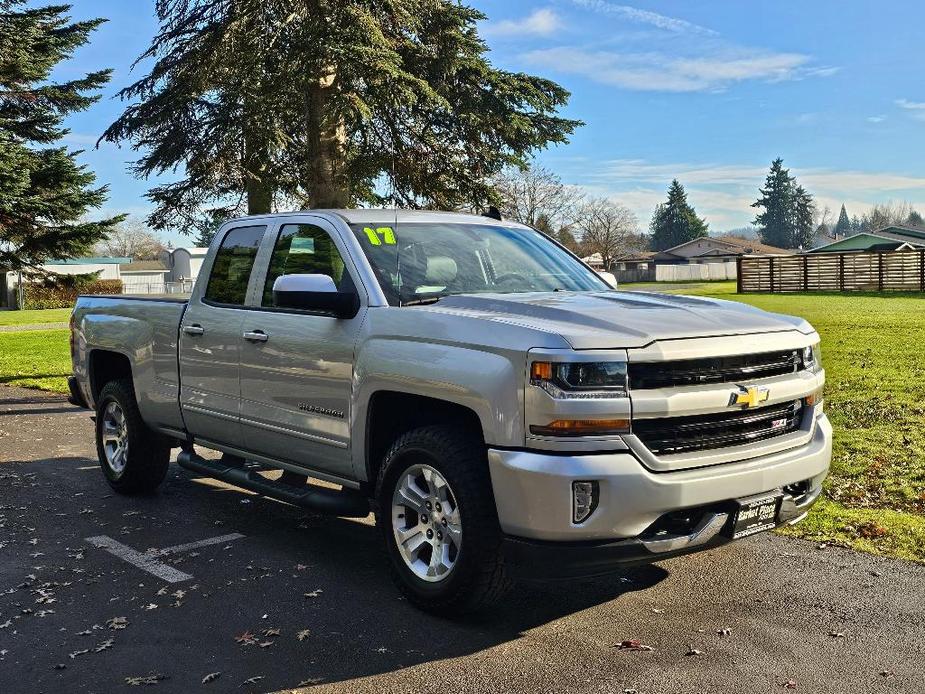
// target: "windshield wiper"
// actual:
[[422, 302]]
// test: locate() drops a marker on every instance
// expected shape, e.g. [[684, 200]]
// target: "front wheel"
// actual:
[[438, 520], [133, 458]]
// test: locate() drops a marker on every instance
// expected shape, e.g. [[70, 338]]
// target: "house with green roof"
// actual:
[[892, 238]]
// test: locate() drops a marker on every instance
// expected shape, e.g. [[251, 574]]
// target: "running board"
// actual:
[[345, 502]]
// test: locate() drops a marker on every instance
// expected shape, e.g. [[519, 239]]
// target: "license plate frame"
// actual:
[[755, 514]]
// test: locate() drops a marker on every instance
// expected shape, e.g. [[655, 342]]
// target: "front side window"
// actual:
[[305, 249], [420, 262], [233, 264]]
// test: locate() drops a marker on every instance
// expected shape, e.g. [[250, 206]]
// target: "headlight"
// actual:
[[572, 380], [812, 358]]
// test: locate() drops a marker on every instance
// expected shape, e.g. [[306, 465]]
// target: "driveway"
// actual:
[[202, 578]]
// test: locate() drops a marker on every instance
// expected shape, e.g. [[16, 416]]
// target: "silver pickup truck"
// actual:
[[501, 409]]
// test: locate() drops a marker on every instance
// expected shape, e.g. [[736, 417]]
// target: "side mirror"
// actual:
[[314, 293]]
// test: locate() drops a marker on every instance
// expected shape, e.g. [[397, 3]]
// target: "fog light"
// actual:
[[584, 500]]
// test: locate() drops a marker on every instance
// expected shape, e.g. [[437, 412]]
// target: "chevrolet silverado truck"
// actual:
[[500, 408]]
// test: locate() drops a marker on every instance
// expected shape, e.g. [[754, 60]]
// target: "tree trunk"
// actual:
[[259, 195], [327, 184], [258, 187]]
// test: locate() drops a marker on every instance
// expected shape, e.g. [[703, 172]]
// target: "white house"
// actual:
[[144, 277]]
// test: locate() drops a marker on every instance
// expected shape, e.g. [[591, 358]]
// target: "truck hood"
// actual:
[[620, 320]]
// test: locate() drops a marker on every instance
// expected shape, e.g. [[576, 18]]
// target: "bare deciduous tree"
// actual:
[[529, 195], [886, 214], [132, 239], [610, 229]]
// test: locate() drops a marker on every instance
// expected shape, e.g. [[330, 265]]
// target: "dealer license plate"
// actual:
[[756, 514]]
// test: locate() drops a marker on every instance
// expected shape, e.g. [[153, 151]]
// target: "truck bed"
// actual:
[[145, 330]]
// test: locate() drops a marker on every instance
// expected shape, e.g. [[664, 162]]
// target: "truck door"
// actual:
[[211, 343], [297, 366]]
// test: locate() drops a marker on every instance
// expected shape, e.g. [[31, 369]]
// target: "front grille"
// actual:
[[702, 432], [688, 372]]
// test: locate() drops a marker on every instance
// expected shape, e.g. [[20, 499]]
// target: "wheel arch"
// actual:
[[391, 413], [105, 366]]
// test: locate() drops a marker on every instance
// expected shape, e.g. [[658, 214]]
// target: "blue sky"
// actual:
[[708, 92]]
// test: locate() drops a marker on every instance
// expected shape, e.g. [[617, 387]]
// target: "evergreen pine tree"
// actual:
[[915, 219], [843, 225], [775, 223], [803, 233], [317, 101], [675, 221], [44, 193]]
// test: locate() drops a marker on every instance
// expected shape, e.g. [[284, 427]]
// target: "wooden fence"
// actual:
[[833, 272]]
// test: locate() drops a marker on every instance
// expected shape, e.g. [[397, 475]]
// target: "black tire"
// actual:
[[478, 579], [147, 455]]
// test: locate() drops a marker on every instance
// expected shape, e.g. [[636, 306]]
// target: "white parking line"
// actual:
[[148, 561]]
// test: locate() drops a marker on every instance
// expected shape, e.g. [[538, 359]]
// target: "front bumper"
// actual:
[[533, 493]]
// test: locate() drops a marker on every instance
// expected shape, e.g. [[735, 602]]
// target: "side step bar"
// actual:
[[332, 502]]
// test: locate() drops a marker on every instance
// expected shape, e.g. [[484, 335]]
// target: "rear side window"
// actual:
[[233, 264], [305, 249]]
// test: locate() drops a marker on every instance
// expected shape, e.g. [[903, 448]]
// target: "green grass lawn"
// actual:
[[874, 357], [875, 373], [35, 359], [34, 316]]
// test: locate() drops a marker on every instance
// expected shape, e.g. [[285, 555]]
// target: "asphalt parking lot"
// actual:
[[201, 579]]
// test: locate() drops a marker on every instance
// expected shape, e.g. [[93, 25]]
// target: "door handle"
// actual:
[[194, 329], [256, 336]]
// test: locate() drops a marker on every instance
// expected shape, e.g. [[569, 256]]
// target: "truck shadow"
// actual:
[[361, 625], [292, 571]]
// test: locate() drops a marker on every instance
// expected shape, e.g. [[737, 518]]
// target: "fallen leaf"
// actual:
[[313, 594], [117, 623], [301, 567], [272, 631], [150, 606], [153, 678], [107, 644], [725, 631], [310, 681], [265, 644], [252, 680], [304, 634], [836, 634], [633, 645], [246, 638], [211, 677], [693, 651], [789, 684], [77, 653]]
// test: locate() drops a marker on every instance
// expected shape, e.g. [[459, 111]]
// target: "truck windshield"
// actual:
[[420, 262]]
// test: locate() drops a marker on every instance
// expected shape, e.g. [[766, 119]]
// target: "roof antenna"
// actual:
[[493, 213]]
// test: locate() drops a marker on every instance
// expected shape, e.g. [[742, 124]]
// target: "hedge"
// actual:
[[46, 295]]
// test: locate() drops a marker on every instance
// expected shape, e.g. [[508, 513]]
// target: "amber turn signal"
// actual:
[[541, 371], [813, 398], [582, 427]]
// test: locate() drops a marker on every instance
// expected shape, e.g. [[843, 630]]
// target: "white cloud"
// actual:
[[876, 119], [538, 23], [916, 108], [634, 14], [655, 71]]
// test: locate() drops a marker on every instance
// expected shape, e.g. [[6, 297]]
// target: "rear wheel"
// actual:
[[133, 458], [438, 520]]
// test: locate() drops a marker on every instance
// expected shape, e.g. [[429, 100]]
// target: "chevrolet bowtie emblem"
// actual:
[[749, 396]]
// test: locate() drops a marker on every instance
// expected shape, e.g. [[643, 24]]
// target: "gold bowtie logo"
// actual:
[[749, 396]]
